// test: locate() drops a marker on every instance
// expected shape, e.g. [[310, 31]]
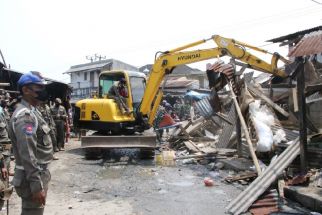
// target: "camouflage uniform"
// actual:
[[5, 146], [156, 123], [32, 148], [59, 114], [46, 114], [177, 109]]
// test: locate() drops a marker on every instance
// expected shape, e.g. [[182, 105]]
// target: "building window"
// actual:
[[85, 76]]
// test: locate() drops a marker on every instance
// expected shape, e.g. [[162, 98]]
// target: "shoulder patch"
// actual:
[[27, 117], [28, 129]]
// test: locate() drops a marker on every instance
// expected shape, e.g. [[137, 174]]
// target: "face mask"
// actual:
[[42, 95]]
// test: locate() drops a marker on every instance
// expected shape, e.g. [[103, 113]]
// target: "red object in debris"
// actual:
[[166, 121], [266, 204], [208, 182]]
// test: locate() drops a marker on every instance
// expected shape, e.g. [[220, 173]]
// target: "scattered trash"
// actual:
[[208, 182]]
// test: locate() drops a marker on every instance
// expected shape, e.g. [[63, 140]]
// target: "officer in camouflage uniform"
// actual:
[[5, 146], [60, 115], [185, 109], [46, 114], [177, 108], [6, 114], [32, 146], [5, 142]]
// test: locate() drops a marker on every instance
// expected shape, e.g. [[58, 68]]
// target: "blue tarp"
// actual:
[[195, 95]]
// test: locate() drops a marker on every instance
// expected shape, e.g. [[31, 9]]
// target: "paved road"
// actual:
[[128, 186]]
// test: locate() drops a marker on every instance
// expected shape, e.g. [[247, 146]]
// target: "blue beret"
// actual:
[[29, 78]]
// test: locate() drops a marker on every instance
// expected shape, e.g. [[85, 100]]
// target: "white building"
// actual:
[[84, 77]]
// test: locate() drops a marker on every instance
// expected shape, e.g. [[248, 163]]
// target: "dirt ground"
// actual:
[[128, 186]]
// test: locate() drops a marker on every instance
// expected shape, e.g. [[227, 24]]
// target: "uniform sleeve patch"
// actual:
[[28, 129]]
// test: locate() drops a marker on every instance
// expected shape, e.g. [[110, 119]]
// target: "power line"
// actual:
[[251, 23]]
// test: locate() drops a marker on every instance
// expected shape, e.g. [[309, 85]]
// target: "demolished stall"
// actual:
[[277, 124]]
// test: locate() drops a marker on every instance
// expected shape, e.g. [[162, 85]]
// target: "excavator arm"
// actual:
[[167, 61]]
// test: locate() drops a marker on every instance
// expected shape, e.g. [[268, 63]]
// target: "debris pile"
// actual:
[[247, 131]]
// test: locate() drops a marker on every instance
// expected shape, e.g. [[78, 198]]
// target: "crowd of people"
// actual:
[[178, 109], [32, 129]]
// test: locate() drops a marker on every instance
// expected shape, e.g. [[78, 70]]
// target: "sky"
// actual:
[[50, 36]]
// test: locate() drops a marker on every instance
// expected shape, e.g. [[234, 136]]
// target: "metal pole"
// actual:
[[302, 116]]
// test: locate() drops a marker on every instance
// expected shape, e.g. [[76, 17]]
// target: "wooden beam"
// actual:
[[268, 100], [245, 129], [302, 116]]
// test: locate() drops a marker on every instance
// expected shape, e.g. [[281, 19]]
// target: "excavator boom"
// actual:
[[167, 61]]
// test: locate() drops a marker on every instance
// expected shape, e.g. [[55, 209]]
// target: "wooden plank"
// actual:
[[267, 100], [241, 177], [295, 102], [246, 132], [196, 156], [191, 146], [208, 150]]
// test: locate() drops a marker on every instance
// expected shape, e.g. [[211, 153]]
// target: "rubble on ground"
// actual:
[[211, 139]]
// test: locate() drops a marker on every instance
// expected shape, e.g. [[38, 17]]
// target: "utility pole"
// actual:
[[90, 58], [99, 57], [95, 57]]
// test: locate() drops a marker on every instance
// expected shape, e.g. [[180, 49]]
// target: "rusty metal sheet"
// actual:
[[118, 142], [266, 204], [308, 45], [246, 198], [294, 35]]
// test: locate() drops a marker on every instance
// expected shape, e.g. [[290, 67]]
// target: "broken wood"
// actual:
[[295, 101], [268, 100], [244, 176], [245, 129], [196, 156], [191, 146]]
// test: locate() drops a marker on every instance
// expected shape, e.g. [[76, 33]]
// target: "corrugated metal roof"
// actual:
[[314, 97], [179, 70], [180, 84], [89, 66], [294, 35], [308, 45], [246, 198], [98, 65]]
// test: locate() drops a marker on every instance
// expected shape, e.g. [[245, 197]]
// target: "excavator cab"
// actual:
[[103, 113], [134, 84]]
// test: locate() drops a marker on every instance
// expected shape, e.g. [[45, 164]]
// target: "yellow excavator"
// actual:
[[144, 96]]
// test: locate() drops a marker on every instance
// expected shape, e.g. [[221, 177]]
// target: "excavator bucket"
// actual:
[[142, 142]]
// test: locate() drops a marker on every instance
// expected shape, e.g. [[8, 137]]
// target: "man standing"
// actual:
[[32, 146], [60, 116], [46, 114], [5, 146]]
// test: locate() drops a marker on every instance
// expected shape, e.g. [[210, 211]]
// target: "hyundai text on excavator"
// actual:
[[101, 114]]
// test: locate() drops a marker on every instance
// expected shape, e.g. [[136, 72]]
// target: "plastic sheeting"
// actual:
[[262, 119]]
